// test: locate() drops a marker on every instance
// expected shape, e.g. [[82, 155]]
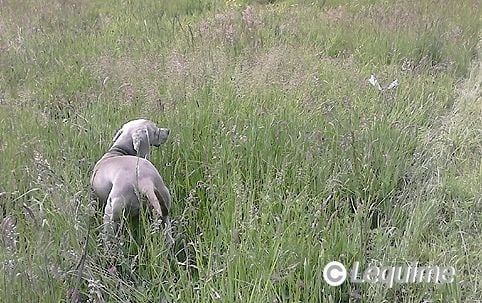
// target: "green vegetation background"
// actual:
[[282, 156]]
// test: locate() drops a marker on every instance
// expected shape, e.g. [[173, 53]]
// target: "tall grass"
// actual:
[[282, 156]]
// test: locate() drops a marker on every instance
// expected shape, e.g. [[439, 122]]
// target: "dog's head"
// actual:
[[137, 136]]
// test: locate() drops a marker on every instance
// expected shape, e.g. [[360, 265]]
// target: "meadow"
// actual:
[[282, 156]]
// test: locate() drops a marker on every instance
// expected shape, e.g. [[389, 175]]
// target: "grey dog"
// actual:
[[124, 175]]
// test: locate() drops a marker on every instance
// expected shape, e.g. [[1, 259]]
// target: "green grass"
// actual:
[[282, 156]]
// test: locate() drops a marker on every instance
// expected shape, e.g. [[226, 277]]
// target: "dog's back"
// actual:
[[122, 176]]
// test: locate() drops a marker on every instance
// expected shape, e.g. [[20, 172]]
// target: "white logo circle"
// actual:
[[334, 273]]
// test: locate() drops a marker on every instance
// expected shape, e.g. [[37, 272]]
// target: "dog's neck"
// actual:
[[115, 151]]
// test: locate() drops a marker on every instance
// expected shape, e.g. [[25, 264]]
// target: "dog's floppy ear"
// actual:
[[140, 142], [117, 135]]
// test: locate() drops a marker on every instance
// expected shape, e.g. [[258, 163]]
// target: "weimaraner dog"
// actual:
[[124, 175]]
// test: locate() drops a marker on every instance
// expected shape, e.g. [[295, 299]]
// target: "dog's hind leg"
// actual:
[[110, 226], [161, 201]]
